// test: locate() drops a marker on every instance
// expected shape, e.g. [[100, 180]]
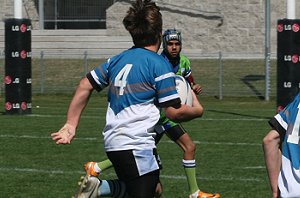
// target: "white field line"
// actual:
[[205, 119], [40, 137], [179, 177], [167, 141], [254, 167], [172, 177]]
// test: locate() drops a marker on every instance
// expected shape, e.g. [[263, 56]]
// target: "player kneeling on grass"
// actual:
[[172, 44], [138, 86]]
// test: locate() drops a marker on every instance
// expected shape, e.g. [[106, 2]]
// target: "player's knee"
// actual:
[[158, 190], [190, 148]]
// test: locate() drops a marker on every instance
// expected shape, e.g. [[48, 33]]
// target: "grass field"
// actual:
[[228, 137], [240, 77]]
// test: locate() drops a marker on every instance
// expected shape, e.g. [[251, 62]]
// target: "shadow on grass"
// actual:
[[250, 78], [238, 114]]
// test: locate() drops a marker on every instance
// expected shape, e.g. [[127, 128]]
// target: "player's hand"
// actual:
[[64, 135], [196, 88]]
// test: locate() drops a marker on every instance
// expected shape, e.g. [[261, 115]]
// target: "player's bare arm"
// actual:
[[185, 112], [66, 134], [271, 144]]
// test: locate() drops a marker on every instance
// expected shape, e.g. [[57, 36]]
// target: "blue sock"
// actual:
[[104, 188], [112, 188]]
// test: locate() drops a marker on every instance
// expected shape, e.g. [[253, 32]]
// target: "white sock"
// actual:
[[97, 168], [195, 194]]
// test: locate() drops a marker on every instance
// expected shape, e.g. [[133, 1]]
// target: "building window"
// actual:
[[75, 14]]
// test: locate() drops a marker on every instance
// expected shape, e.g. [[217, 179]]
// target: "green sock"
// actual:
[[104, 164], [190, 171]]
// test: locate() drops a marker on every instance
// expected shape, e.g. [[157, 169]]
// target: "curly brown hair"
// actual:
[[144, 23]]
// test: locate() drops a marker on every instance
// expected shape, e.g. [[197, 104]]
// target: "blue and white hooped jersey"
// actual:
[[138, 82], [288, 122]]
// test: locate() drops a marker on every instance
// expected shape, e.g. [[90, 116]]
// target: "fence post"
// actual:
[[220, 76], [267, 49], [41, 14], [85, 63], [42, 72]]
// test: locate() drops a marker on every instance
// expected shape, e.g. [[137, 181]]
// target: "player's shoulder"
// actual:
[[156, 58], [138, 51], [136, 54], [295, 103], [148, 58], [297, 98], [147, 54], [184, 58]]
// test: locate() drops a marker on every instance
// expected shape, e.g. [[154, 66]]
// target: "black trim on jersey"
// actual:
[[277, 126], [176, 103], [93, 83]]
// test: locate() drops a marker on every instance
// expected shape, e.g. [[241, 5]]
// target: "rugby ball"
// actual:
[[184, 90]]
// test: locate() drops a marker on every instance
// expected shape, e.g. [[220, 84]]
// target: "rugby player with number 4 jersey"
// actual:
[[139, 84]]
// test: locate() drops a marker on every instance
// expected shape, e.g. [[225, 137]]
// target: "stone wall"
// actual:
[[211, 26], [7, 9], [207, 26], [29, 11]]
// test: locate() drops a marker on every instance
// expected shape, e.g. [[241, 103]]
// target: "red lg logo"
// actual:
[[23, 106], [295, 58], [8, 106], [7, 80], [296, 27], [23, 54], [280, 27], [23, 28]]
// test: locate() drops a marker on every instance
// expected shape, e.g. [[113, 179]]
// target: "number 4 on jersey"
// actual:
[[121, 78]]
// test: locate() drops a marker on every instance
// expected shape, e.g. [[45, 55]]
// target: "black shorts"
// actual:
[[126, 165], [174, 133]]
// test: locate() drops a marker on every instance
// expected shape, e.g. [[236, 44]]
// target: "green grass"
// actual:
[[229, 153]]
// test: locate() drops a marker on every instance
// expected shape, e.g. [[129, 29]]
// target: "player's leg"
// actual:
[[92, 187], [138, 169], [158, 190], [143, 186], [178, 135], [106, 188], [112, 188], [95, 168]]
